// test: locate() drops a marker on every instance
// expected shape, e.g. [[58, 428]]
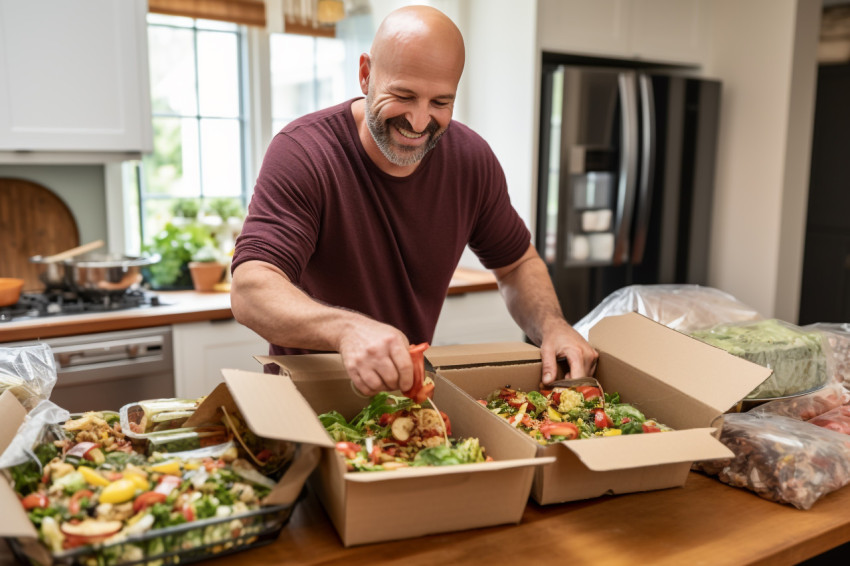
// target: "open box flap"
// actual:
[[718, 379], [13, 520], [652, 449], [493, 353], [259, 398]]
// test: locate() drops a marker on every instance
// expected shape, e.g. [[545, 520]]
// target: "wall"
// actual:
[[764, 52], [81, 187]]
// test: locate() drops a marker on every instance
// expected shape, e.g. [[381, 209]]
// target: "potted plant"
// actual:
[[176, 246], [206, 268]]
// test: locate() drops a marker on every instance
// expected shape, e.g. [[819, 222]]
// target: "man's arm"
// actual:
[[531, 300], [375, 354]]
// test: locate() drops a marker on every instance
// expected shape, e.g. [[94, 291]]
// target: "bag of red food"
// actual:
[[805, 407], [838, 419]]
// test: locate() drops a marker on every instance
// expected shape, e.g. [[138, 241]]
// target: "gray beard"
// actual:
[[399, 156]]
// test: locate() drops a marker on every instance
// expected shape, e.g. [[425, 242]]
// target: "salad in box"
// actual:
[[94, 494]]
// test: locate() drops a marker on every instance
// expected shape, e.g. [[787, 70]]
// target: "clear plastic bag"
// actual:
[[685, 308], [781, 459], [837, 419], [797, 357], [29, 372], [805, 407], [38, 420], [837, 338]]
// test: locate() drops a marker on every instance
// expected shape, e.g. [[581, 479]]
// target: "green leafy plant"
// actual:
[[225, 207], [177, 246]]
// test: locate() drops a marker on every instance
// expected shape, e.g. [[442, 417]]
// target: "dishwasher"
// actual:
[[106, 370]]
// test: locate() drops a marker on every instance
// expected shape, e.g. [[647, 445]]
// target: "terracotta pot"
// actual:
[[205, 274]]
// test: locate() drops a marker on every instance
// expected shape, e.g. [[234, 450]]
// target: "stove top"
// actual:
[[58, 303]]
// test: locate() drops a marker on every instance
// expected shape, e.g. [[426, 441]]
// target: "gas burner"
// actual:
[[57, 303]]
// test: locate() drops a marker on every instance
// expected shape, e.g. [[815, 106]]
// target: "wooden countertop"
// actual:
[[704, 522], [179, 307]]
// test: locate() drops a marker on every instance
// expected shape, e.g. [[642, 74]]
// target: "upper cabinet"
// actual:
[[74, 76], [664, 31]]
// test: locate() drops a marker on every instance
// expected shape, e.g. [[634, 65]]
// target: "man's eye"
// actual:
[[440, 104]]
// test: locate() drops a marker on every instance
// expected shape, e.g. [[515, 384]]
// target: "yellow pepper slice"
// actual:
[[612, 432], [169, 467], [138, 480], [118, 491], [554, 415], [92, 477]]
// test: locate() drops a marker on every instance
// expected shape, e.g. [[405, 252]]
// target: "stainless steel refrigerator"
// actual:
[[626, 178]]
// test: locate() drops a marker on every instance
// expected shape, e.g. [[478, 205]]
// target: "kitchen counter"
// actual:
[[704, 522], [178, 307]]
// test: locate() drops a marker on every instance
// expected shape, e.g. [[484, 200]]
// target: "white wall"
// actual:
[[764, 52]]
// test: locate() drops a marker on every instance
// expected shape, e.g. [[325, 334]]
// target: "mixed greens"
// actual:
[[393, 432], [89, 484], [568, 413]]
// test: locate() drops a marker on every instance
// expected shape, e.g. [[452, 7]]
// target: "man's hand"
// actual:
[[376, 357], [565, 342], [531, 300]]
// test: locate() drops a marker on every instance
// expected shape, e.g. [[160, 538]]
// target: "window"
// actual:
[[309, 73], [198, 118]]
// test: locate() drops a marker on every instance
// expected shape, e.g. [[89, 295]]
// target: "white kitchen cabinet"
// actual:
[[667, 31], [475, 317], [74, 78], [202, 349]]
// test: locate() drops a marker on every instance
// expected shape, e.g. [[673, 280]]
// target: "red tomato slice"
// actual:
[[74, 504], [34, 500], [601, 419], [650, 428], [147, 499], [417, 356], [589, 392], [569, 430], [167, 484]]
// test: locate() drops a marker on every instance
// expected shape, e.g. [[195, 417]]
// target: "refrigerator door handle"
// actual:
[[628, 166], [644, 194]]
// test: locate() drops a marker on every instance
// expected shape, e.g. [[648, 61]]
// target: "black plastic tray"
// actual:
[[180, 544]]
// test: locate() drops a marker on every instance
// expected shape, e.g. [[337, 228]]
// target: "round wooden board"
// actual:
[[33, 221]]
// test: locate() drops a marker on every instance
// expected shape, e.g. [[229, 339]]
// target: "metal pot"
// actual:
[[105, 274], [52, 272]]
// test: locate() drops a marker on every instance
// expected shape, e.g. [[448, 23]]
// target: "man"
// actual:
[[361, 213]]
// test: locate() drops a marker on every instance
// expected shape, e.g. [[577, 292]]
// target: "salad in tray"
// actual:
[[567, 413], [394, 431], [91, 484]]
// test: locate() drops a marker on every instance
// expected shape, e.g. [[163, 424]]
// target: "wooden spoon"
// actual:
[[73, 252]]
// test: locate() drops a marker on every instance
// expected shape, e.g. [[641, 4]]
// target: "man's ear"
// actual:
[[364, 72]]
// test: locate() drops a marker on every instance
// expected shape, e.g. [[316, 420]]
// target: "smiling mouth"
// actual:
[[408, 134]]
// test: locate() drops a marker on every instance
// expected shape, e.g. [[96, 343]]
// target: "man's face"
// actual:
[[408, 107], [396, 137]]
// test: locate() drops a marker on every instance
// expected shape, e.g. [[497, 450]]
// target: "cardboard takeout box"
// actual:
[[368, 507], [669, 376]]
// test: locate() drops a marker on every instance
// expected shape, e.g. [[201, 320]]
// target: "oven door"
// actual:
[[107, 370]]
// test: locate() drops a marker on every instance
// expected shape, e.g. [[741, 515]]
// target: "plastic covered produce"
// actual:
[[681, 307], [837, 419], [805, 407], [781, 459], [837, 338], [796, 357], [29, 372]]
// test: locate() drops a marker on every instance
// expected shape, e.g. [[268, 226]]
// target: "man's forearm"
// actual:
[[531, 299], [264, 300]]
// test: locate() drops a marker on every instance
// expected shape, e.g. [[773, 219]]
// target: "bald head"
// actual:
[[418, 38]]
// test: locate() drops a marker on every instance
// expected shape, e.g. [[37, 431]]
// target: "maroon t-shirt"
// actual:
[[351, 235]]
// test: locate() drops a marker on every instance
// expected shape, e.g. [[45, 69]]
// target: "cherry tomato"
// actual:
[[187, 512], [167, 484], [650, 428], [34, 500], [147, 499], [264, 454], [601, 419]]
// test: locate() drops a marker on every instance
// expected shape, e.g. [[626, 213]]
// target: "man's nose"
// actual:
[[419, 117]]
